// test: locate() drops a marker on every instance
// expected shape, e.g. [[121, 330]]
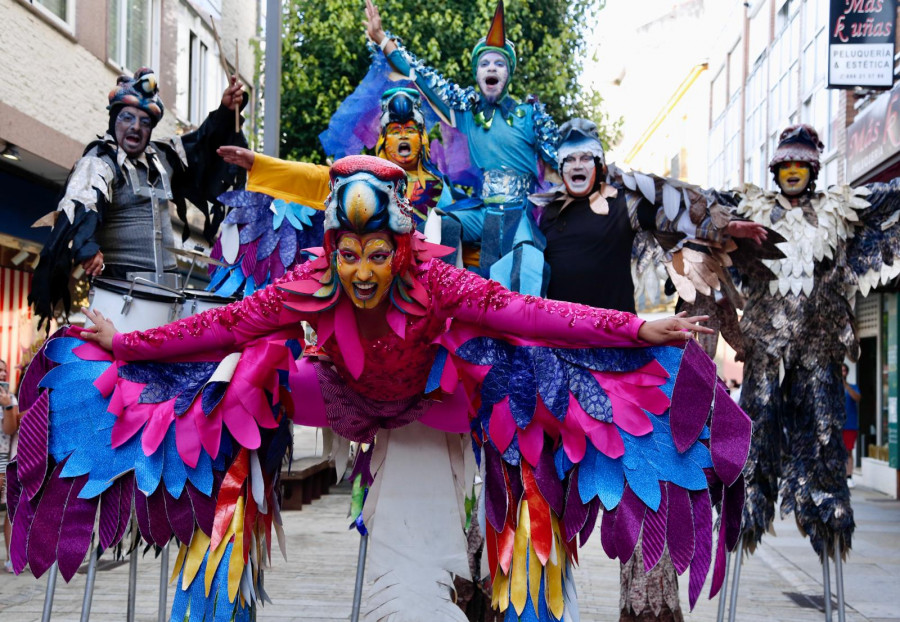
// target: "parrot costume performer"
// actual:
[[570, 413]]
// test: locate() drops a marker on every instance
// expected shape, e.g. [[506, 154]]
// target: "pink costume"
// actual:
[[570, 412]]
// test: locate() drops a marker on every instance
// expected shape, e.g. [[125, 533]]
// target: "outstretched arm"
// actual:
[[444, 96], [297, 182], [466, 297], [216, 330]]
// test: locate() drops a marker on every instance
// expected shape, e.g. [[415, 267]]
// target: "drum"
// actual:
[[134, 306], [197, 300]]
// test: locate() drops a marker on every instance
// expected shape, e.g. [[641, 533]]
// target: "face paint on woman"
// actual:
[[403, 144], [491, 75], [579, 173], [793, 177], [364, 267]]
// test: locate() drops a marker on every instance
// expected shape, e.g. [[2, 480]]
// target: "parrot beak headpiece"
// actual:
[[141, 91], [368, 194], [495, 41]]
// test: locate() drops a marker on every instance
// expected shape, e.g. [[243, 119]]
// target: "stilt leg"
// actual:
[[360, 572], [735, 584], [839, 578], [48, 594], [826, 579], [723, 595], [163, 583], [132, 571], [89, 584]]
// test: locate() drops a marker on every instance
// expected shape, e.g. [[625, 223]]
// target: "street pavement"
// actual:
[[781, 582]]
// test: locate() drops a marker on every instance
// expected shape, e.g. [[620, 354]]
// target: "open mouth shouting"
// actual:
[[364, 291], [404, 148]]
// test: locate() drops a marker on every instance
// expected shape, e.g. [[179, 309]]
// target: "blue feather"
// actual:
[[553, 381], [590, 395]]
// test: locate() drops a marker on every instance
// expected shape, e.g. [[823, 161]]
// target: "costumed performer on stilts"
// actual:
[[509, 141], [592, 223], [573, 408]]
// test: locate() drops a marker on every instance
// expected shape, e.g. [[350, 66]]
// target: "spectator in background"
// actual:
[[734, 388], [851, 425], [10, 426]]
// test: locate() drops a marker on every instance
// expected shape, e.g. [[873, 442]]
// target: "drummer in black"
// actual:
[[113, 218]]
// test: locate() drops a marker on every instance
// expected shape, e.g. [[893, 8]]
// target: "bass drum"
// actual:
[[133, 306], [197, 301]]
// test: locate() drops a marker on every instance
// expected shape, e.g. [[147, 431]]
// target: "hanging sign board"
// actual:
[[861, 43]]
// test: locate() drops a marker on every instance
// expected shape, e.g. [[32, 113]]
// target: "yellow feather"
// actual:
[[195, 555], [534, 576], [501, 585], [236, 567], [519, 573], [215, 557], [182, 552], [554, 574]]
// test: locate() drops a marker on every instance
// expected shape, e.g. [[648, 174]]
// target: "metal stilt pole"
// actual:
[[735, 584], [89, 584], [360, 571], [839, 578], [48, 594], [826, 579], [723, 595], [163, 583], [132, 580]]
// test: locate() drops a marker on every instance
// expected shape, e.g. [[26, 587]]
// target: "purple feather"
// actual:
[[181, 515], [654, 535], [125, 505], [75, 529], [18, 544], [32, 453], [729, 441], [608, 533], [702, 511], [516, 487], [204, 507], [248, 261], [680, 528], [576, 512], [629, 518], [718, 577], [110, 506], [496, 495], [362, 466], [40, 364], [44, 531], [160, 530], [142, 516], [593, 510], [287, 245], [267, 243], [548, 482], [692, 396], [13, 489], [732, 512]]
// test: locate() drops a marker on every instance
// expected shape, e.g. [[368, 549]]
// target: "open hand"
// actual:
[[374, 29], [237, 155], [676, 328], [746, 229], [102, 332], [233, 97]]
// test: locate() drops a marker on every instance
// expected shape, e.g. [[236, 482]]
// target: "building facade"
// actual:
[[60, 59], [769, 70]]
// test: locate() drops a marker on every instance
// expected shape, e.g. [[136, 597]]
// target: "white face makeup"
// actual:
[[491, 75], [579, 172]]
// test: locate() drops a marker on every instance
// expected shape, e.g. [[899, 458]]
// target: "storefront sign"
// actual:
[[861, 43], [874, 135]]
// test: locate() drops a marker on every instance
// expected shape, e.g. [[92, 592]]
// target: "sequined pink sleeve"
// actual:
[[467, 297], [220, 329]]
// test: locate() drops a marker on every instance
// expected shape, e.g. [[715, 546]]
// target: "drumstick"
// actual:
[[237, 71], [237, 110]]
